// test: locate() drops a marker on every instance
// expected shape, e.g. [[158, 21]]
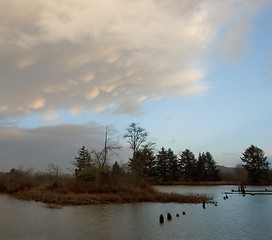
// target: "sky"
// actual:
[[195, 74]]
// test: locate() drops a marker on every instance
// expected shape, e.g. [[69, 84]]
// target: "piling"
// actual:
[[161, 218]]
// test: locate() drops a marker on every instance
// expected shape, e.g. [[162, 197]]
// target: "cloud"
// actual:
[[51, 116], [12, 133], [127, 106], [79, 55], [3, 108], [37, 104], [51, 144]]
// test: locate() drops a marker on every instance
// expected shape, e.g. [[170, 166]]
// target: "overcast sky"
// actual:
[[194, 74]]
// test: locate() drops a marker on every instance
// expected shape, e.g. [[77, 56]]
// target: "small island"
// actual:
[[61, 190]]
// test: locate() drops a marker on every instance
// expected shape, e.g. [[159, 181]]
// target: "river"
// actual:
[[238, 217]]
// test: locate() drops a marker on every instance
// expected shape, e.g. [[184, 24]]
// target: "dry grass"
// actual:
[[105, 198], [66, 190]]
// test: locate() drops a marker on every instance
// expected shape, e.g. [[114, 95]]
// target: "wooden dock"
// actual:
[[251, 192]]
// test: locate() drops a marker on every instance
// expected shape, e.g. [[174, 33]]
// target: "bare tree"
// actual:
[[136, 136], [110, 148], [53, 169]]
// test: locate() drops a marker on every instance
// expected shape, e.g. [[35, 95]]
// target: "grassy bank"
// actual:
[[104, 198], [66, 190]]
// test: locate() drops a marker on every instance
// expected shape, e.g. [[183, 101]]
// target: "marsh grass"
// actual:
[[67, 190], [105, 198]]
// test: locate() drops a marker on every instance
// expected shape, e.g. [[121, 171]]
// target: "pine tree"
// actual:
[[212, 171], [206, 168], [143, 162], [174, 170], [188, 165], [162, 165], [116, 170], [82, 161], [256, 164], [201, 167]]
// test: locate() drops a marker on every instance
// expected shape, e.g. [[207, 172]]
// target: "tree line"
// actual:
[[164, 165]]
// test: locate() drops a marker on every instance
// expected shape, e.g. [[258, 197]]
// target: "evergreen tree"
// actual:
[[83, 159], [84, 168], [212, 171], [150, 161], [256, 164], [206, 168], [188, 165], [143, 162], [174, 171], [201, 167], [116, 170], [162, 165]]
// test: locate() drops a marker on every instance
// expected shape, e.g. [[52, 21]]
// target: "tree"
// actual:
[[109, 148], [162, 165], [212, 171], [256, 164], [206, 168], [83, 159], [117, 177], [53, 170], [136, 136], [143, 162], [149, 160], [188, 165], [174, 171], [116, 170], [83, 163], [201, 167], [167, 167]]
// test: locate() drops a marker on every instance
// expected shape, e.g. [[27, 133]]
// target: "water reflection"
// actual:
[[237, 217]]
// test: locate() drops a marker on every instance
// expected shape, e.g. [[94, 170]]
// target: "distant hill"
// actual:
[[225, 170], [232, 173]]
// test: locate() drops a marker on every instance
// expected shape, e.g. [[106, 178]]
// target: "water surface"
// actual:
[[237, 217]]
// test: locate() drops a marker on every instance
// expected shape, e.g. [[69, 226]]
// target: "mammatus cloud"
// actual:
[[111, 55]]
